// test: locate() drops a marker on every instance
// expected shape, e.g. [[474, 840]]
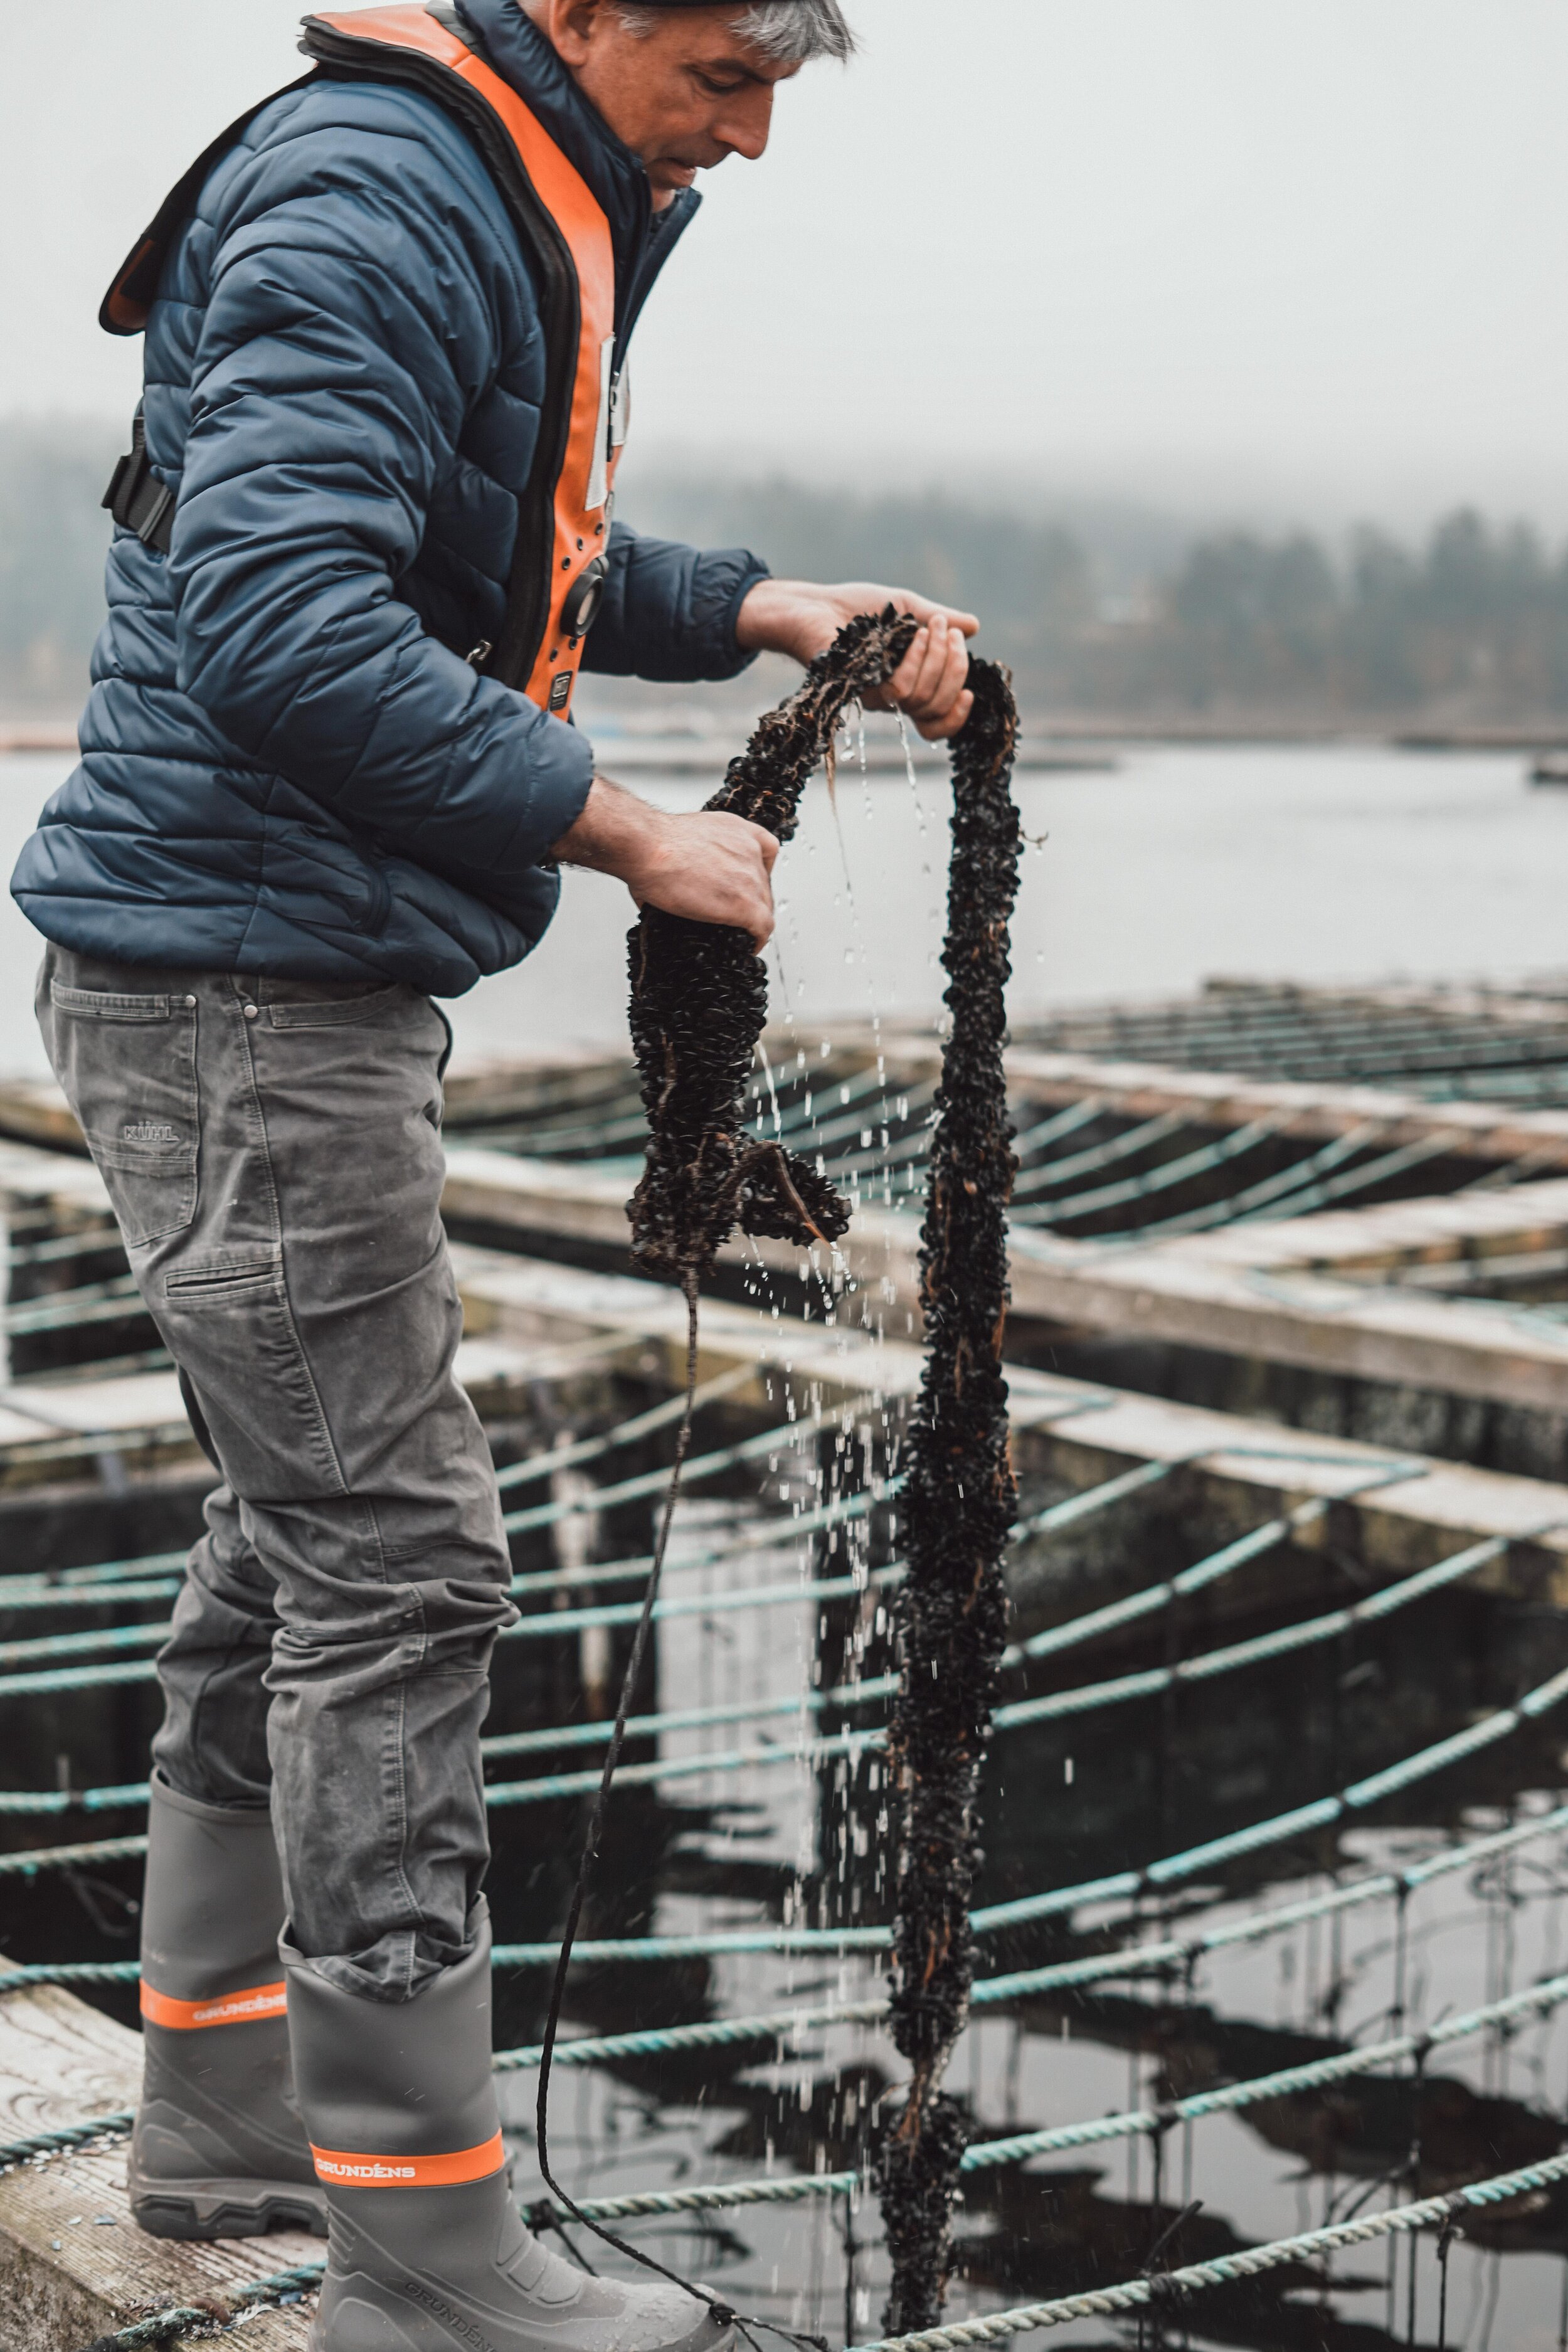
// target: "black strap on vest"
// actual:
[[137, 500]]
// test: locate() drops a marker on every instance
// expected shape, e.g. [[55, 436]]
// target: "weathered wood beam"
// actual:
[[73, 2263], [1263, 1290], [1471, 1130], [1083, 1428]]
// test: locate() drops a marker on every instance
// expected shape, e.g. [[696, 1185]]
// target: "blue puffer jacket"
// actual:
[[287, 765]]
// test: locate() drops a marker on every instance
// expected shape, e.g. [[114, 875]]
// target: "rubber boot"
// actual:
[[429, 2252], [218, 2149]]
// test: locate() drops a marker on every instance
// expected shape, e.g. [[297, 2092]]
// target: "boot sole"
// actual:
[[361, 2314], [227, 2208]]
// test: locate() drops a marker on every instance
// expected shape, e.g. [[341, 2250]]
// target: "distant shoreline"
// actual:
[[1079, 743]]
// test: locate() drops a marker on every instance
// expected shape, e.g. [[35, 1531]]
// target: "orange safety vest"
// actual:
[[562, 560]]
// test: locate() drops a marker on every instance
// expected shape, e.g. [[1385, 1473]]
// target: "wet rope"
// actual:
[[1538, 2002], [68, 2136], [1225, 2270], [165, 2326], [1191, 1862], [956, 1515], [550, 1788], [1171, 1955], [1168, 1956], [699, 1005]]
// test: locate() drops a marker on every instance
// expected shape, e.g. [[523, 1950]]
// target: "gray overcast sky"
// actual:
[[1306, 254]]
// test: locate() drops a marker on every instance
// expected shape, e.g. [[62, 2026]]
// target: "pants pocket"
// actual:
[[128, 1065], [225, 1279]]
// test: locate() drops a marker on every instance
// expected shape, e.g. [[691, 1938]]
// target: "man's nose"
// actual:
[[743, 127]]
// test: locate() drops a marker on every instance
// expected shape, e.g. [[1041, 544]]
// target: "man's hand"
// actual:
[[802, 619], [713, 867]]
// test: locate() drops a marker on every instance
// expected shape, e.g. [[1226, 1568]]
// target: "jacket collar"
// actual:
[[522, 56]]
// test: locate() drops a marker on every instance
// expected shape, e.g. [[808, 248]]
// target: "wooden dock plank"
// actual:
[[1219, 1099], [1442, 1503], [1227, 1291], [73, 2264]]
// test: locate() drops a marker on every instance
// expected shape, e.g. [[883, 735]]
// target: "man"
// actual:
[[365, 545]]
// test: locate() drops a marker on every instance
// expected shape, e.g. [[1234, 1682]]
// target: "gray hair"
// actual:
[[789, 32]]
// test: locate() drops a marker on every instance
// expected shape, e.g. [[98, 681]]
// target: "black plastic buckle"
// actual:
[[137, 500]]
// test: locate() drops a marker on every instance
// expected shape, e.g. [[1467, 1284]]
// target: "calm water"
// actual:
[[1300, 863]]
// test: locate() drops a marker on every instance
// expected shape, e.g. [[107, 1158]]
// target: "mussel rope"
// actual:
[[956, 1513], [699, 1004]]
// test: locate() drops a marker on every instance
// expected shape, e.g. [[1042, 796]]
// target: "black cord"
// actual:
[[596, 1826], [722, 2312]]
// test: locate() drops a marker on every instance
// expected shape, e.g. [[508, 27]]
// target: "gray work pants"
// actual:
[[272, 1149]]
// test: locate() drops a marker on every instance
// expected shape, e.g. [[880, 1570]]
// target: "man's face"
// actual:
[[682, 97]]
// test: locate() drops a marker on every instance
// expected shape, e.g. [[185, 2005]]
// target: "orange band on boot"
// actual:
[[410, 2171], [224, 2009]]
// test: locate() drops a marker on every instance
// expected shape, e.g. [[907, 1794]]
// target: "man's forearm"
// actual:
[[614, 833], [704, 864]]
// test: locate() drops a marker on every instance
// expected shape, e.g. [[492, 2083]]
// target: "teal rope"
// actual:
[[43, 1801], [68, 1972], [105, 1596], [1075, 1508], [1235, 1206], [1098, 1967], [1323, 1814], [548, 1623], [39, 1594], [1083, 1699], [32, 1861], [548, 1787], [1212, 1663], [653, 1481], [1168, 1956], [1017, 2148], [1046, 1175], [95, 1302], [625, 1432], [1060, 1125], [1120, 1886], [1225, 2268], [1087, 1699], [67, 1645], [707, 1466], [141, 1670], [52, 2143], [1357, 1179], [1162, 1178], [16, 1590], [1152, 1598]]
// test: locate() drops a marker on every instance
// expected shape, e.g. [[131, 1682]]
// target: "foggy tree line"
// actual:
[[1469, 628]]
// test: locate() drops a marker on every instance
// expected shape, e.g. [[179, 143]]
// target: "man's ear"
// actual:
[[569, 26]]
